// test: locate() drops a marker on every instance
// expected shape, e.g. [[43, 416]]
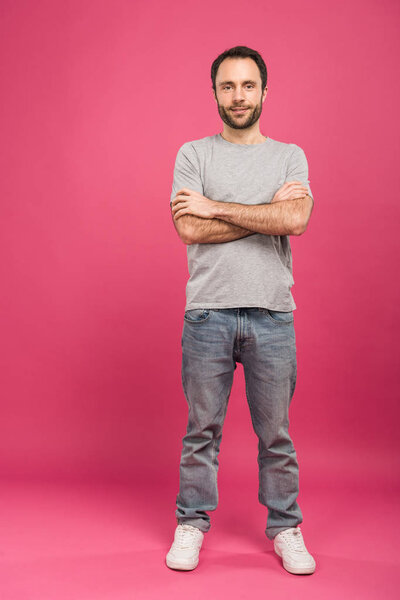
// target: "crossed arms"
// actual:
[[227, 221], [196, 230]]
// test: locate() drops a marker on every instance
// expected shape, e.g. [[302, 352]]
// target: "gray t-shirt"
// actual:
[[254, 271]]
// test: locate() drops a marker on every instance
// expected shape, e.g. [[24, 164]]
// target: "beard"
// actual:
[[243, 121]]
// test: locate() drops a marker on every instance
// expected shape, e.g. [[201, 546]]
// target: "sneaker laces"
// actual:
[[294, 538], [186, 536]]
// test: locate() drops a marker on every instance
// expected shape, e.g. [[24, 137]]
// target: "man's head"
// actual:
[[239, 79]]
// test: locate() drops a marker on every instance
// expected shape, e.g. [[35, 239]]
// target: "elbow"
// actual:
[[189, 241], [186, 240], [186, 235], [184, 230], [300, 228], [303, 218], [301, 225]]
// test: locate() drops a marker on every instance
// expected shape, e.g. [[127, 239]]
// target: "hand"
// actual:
[[290, 191], [189, 202]]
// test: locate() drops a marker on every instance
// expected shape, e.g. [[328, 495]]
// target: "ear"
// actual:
[[264, 93]]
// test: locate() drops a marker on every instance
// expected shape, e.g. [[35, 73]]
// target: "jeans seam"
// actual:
[[213, 459], [206, 312], [265, 311]]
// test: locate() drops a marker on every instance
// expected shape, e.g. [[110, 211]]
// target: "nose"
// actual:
[[238, 94]]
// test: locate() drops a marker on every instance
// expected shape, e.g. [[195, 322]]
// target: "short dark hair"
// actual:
[[240, 52]]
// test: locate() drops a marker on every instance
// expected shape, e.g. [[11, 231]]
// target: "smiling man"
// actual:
[[236, 198]]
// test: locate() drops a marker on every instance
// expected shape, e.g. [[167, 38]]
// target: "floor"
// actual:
[[101, 541]]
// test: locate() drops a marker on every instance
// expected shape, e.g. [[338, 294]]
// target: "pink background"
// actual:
[[96, 99]]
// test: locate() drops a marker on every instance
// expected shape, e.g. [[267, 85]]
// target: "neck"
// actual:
[[237, 136]]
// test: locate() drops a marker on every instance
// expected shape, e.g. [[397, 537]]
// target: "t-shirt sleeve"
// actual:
[[186, 171], [298, 168]]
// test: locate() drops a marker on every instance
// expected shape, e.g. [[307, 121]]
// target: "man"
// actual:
[[237, 196]]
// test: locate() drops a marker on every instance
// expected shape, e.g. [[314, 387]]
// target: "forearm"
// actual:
[[211, 231], [278, 218]]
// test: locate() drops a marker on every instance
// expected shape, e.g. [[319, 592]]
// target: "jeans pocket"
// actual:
[[197, 315], [277, 316]]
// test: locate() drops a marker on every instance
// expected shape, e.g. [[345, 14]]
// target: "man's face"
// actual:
[[238, 84]]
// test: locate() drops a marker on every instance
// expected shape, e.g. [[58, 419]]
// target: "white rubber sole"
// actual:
[[173, 564], [294, 569]]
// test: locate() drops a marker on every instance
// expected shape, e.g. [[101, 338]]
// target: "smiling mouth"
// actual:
[[239, 111]]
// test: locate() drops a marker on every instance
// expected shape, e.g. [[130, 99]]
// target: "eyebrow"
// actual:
[[232, 83]]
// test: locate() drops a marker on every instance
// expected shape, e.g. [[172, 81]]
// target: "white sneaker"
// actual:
[[289, 545], [184, 552]]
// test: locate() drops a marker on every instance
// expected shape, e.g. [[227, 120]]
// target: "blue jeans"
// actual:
[[263, 340]]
